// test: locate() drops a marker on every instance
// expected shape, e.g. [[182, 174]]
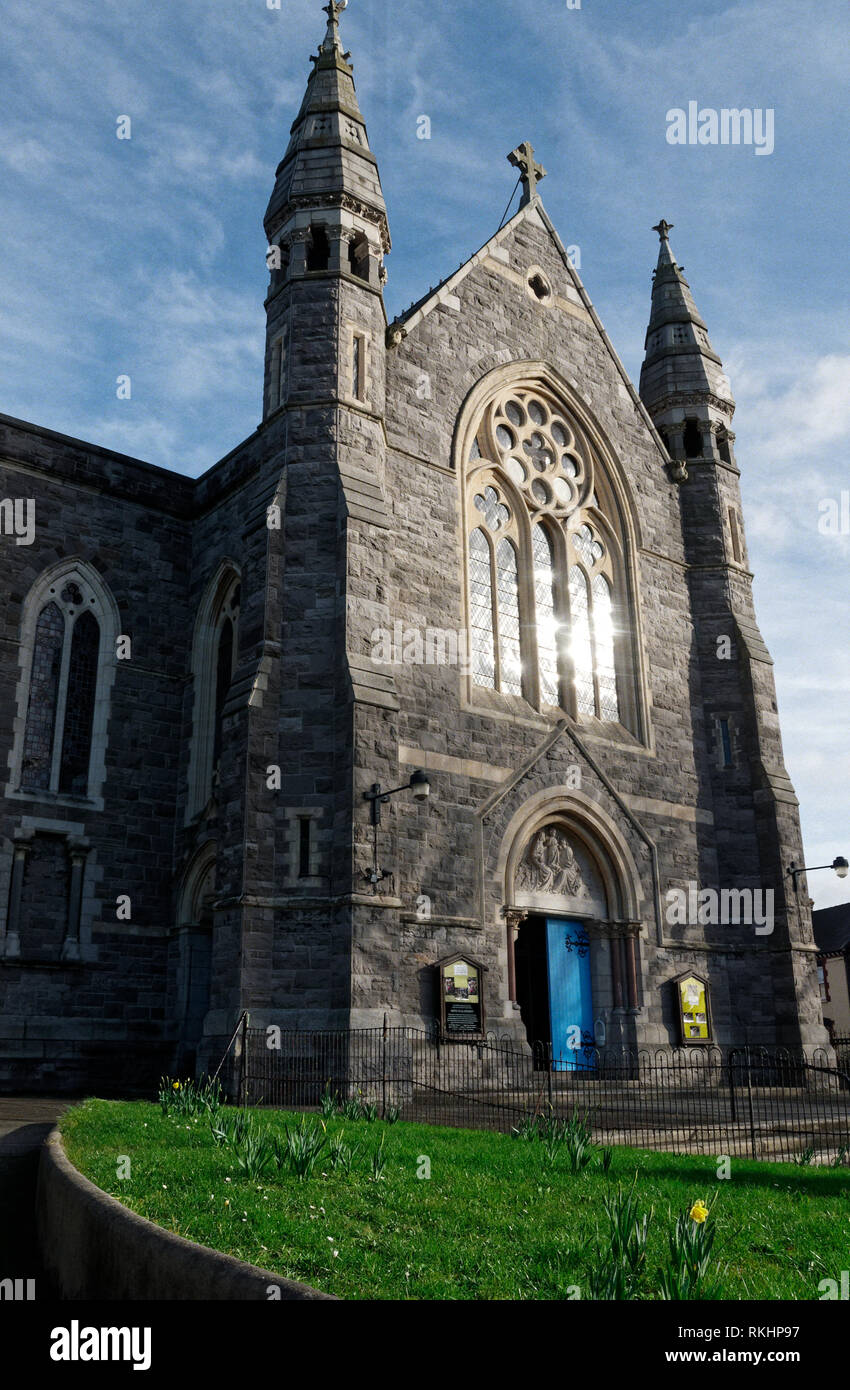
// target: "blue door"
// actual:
[[570, 1003]]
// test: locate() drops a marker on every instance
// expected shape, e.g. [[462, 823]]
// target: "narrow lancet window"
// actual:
[[44, 694], [547, 624], [481, 611], [79, 706], [510, 660]]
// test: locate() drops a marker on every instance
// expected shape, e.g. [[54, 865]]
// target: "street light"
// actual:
[[421, 788], [839, 864]]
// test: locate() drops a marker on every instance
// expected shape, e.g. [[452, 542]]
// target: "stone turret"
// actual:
[[325, 392], [326, 216], [755, 809], [682, 382]]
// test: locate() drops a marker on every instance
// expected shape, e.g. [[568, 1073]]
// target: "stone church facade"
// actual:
[[461, 544]]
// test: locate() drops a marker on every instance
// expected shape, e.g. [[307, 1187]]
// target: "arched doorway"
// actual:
[[571, 893]]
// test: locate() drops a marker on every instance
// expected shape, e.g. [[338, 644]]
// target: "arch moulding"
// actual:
[[577, 813]]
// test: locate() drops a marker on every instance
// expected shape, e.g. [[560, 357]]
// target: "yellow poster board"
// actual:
[[460, 981], [694, 1017]]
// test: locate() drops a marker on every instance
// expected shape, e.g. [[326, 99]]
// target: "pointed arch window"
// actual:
[[548, 616], [494, 597], [545, 604], [482, 622], [44, 697], [79, 706], [214, 657], [507, 609], [223, 677], [69, 626]]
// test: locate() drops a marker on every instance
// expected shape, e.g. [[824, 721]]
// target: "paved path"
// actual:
[[24, 1124]]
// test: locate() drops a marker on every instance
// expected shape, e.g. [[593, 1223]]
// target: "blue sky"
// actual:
[[147, 256]]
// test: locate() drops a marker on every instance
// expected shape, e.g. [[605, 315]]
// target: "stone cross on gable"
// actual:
[[664, 229], [530, 171]]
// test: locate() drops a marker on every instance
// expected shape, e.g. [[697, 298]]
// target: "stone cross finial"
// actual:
[[530, 171], [333, 10], [663, 229]]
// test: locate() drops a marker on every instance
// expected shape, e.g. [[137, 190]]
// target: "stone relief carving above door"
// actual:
[[555, 874]]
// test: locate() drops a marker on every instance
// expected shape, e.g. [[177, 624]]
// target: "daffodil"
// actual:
[[175, 1086], [699, 1211]]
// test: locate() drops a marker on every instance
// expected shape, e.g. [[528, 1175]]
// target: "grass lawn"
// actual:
[[495, 1220]]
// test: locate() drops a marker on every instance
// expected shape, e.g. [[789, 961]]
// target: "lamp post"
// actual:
[[839, 864], [421, 788]]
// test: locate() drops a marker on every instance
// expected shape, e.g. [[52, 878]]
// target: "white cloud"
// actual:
[[799, 410]]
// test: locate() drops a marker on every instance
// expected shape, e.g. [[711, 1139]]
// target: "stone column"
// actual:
[[298, 257], [22, 846], [77, 853], [339, 238], [715, 427], [631, 973], [676, 440], [617, 971], [514, 918], [375, 265]]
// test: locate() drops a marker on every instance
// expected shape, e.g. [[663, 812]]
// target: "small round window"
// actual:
[[539, 286]]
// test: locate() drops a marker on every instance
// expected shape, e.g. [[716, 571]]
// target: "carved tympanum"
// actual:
[[549, 865]]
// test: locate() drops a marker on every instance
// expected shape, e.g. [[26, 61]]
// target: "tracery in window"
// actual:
[[494, 596], [67, 650], [548, 616]]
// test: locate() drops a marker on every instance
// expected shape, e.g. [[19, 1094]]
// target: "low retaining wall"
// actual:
[[94, 1248]]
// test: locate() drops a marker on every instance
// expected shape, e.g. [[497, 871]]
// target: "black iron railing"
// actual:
[[841, 1046], [750, 1101]]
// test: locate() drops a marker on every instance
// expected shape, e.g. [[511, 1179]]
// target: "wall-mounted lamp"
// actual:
[[421, 788], [839, 865], [418, 784]]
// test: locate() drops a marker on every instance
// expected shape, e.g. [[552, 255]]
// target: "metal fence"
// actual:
[[842, 1052], [745, 1101]]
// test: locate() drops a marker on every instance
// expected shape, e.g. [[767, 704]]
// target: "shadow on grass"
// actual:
[[781, 1177]]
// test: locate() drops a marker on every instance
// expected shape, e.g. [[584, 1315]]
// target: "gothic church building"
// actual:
[[204, 680]]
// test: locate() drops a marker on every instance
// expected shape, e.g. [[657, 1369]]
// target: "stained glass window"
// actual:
[[534, 495], [44, 693], [62, 696], [603, 641], [79, 706], [481, 611], [507, 588], [581, 648], [495, 513], [589, 549], [547, 624]]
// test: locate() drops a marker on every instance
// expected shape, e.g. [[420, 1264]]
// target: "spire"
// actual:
[[328, 162], [680, 364]]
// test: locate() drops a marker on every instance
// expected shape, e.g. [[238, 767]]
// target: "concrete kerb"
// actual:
[[94, 1248]]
